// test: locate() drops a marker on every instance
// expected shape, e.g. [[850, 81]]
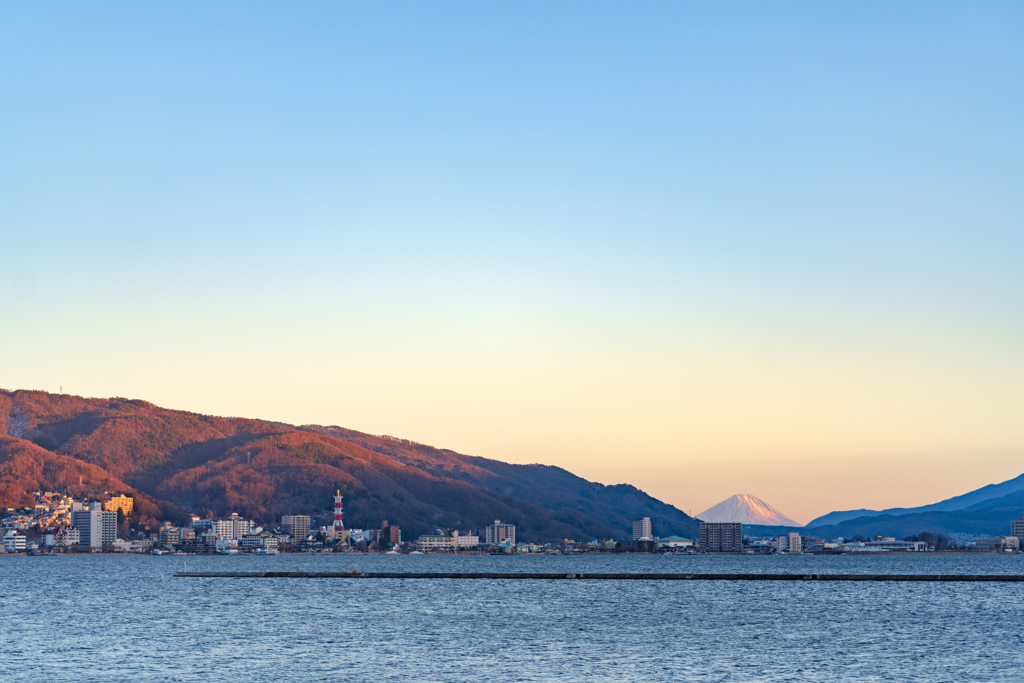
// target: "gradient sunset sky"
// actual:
[[701, 248]]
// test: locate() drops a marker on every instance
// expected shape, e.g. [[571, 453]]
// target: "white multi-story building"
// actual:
[[234, 527], [14, 542], [790, 543], [61, 537], [96, 527], [465, 541], [998, 544]]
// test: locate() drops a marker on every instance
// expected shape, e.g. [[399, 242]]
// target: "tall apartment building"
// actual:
[[389, 534], [721, 537], [1017, 528], [296, 526], [96, 527], [499, 533], [642, 530]]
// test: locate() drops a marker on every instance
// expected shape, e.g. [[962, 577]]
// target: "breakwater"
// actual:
[[601, 577]]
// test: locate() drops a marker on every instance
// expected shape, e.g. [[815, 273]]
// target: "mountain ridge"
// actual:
[[188, 461], [961, 502]]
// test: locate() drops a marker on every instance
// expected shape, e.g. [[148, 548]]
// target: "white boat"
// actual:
[[266, 551]]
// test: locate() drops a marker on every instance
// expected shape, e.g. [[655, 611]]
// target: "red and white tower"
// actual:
[[339, 526]]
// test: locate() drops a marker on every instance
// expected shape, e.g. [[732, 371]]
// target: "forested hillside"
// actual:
[[176, 461]]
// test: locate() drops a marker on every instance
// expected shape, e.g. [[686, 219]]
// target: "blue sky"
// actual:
[[564, 234]]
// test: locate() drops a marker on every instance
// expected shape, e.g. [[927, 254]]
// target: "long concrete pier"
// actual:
[[602, 577]]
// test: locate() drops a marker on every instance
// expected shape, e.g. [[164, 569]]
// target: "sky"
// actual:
[[701, 248]]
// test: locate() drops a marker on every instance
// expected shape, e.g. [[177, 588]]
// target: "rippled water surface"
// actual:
[[126, 618]]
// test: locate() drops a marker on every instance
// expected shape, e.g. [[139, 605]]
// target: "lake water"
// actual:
[[118, 618]]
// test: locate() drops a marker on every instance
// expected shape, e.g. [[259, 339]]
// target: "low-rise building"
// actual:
[[998, 544], [439, 541], [675, 542], [886, 545]]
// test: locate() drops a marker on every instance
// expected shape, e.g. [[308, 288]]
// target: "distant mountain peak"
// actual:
[[748, 509]]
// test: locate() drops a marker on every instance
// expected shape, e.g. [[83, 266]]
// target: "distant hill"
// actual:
[[986, 517], [747, 509], [178, 461], [961, 502]]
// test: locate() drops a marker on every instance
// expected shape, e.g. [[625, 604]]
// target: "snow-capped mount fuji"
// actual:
[[747, 509]]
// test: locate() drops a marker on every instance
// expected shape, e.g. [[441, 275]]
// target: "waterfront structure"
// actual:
[[998, 544], [123, 503], [721, 537], [499, 533], [886, 545], [1017, 528], [642, 530], [338, 528], [14, 542], [296, 526], [96, 527]]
